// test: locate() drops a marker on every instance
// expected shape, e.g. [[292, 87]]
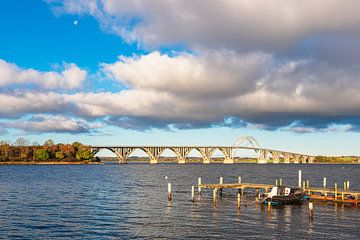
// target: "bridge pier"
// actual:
[[262, 156], [296, 159]]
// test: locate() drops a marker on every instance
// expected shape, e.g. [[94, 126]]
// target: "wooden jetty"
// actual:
[[316, 194], [240, 186]]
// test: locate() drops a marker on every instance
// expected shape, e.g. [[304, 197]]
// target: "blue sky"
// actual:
[[124, 72]]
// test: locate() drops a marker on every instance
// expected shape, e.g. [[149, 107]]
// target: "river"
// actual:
[[130, 202]]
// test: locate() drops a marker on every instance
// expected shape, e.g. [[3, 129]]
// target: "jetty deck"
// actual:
[[314, 193]]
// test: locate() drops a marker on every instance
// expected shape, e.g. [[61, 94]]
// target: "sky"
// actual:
[[159, 72]]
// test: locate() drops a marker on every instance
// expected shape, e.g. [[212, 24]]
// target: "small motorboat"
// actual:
[[283, 195]]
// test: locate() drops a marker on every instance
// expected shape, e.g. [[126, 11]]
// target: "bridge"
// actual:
[[264, 155]]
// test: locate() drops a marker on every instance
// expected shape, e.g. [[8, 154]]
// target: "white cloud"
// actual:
[[232, 24], [48, 123], [205, 90], [69, 78]]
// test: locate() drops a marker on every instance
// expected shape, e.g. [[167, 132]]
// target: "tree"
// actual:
[[59, 155], [22, 142], [77, 145], [84, 154], [42, 154], [49, 142]]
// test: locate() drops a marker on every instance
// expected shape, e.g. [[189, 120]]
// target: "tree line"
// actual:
[[22, 150]]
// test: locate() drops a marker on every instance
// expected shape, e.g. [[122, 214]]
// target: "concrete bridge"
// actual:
[[182, 152]]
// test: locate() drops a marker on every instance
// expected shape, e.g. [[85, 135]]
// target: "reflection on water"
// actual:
[[130, 201]]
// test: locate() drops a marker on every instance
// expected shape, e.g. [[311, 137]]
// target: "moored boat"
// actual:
[[283, 195]]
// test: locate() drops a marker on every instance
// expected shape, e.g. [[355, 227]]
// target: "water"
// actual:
[[130, 201]]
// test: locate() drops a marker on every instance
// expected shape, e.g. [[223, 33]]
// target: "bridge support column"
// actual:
[[296, 159], [311, 159], [228, 158], [206, 154], [287, 157], [154, 153], [275, 157], [122, 153], [181, 154], [262, 158]]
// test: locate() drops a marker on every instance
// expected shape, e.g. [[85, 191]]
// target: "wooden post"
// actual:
[[238, 200], [281, 183], [311, 208], [344, 186], [220, 189], [347, 185], [169, 192], [307, 183], [242, 191], [324, 183], [276, 182], [214, 196], [257, 195], [192, 193], [304, 186], [239, 179], [300, 181], [336, 193], [356, 200], [342, 196], [199, 183], [269, 207]]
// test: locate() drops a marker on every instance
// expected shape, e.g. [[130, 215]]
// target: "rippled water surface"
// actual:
[[130, 201]]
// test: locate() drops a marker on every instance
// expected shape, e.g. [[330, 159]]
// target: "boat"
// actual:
[[283, 195]]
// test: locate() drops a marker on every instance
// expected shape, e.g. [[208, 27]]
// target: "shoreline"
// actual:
[[49, 163]]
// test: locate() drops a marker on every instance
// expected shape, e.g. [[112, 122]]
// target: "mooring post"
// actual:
[[336, 191], [199, 187], [193, 193], [304, 185], [344, 186], [239, 179], [220, 189], [300, 181], [342, 197], [276, 182], [307, 183], [214, 196], [348, 185], [324, 183], [169, 191], [311, 208], [238, 200], [269, 207], [281, 183]]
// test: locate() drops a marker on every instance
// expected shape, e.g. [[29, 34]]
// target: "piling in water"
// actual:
[[324, 182], [238, 200], [239, 180], [221, 182], [214, 196], [281, 183], [311, 208], [276, 182], [348, 185], [300, 181], [199, 183], [192, 193], [169, 192]]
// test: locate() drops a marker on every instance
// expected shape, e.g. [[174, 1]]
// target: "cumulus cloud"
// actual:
[[55, 124], [69, 78], [243, 25], [282, 64], [213, 89]]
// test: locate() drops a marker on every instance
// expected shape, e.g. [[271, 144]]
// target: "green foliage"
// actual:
[[42, 154], [77, 145], [84, 154], [59, 155]]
